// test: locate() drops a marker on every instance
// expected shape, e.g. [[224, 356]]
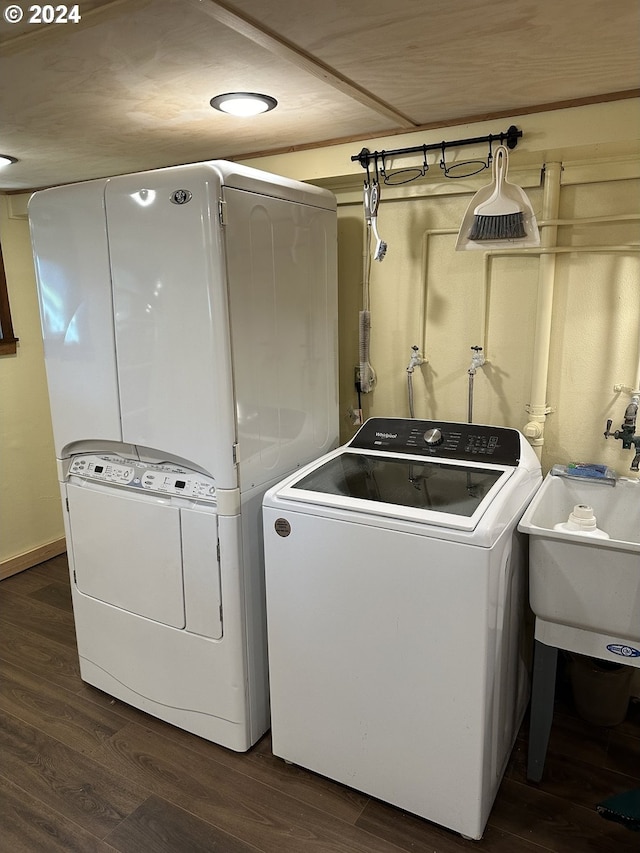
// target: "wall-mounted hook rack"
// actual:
[[365, 157]]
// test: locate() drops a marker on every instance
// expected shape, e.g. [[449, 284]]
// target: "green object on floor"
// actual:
[[623, 808]]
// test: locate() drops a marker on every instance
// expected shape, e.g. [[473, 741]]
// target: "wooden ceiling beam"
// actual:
[[279, 46]]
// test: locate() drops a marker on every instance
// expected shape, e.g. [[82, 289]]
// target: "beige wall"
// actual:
[[423, 293], [426, 293], [30, 515]]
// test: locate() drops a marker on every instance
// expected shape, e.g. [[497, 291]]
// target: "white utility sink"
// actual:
[[585, 591]]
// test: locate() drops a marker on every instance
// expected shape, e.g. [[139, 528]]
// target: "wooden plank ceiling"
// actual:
[[128, 87]]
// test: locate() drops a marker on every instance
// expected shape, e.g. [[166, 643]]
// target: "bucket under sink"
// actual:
[[585, 591]]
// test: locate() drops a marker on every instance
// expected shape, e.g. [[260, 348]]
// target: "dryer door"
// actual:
[[127, 551]]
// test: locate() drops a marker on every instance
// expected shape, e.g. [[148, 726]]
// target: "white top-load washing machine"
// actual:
[[396, 598], [189, 319]]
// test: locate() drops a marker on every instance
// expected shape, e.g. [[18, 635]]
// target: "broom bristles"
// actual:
[[508, 226]]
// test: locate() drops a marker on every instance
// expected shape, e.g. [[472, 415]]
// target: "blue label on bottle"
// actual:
[[624, 651]]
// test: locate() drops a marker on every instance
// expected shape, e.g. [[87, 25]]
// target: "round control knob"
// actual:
[[433, 437]]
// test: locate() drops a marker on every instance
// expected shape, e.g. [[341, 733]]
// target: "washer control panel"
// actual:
[[442, 439], [162, 478]]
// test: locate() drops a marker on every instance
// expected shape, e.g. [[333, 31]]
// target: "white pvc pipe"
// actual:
[[535, 251], [534, 430], [549, 221], [567, 250], [558, 250]]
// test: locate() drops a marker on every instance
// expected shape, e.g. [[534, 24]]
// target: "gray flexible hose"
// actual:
[[410, 392]]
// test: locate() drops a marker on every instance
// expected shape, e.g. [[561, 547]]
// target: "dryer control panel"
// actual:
[[163, 477], [441, 439]]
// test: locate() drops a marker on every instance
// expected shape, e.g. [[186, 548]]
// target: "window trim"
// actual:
[[8, 340]]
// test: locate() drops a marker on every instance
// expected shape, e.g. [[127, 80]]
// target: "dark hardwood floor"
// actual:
[[80, 771]]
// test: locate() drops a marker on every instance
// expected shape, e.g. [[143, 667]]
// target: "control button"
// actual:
[[433, 437]]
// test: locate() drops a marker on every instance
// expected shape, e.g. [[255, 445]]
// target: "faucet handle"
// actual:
[[631, 412], [608, 432]]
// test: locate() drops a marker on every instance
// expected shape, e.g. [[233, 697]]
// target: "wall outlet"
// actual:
[[355, 416]]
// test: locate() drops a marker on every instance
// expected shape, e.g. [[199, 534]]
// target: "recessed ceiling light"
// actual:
[[7, 160], [243, 103]]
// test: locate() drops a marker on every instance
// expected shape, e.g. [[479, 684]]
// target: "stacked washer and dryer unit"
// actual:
[[190, 332]]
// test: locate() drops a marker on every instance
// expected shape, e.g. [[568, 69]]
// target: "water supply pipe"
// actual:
[[415, 361], [477, 361], [534, 429]]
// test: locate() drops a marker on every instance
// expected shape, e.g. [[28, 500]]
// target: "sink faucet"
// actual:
[[627, 430]]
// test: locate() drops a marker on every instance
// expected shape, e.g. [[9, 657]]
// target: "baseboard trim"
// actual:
[[32, 558]]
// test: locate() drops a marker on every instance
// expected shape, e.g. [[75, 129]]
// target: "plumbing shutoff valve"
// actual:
[[416, 359], [477, 360], [626, 433]]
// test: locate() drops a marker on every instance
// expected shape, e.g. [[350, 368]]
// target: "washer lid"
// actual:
[[440, 492]]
